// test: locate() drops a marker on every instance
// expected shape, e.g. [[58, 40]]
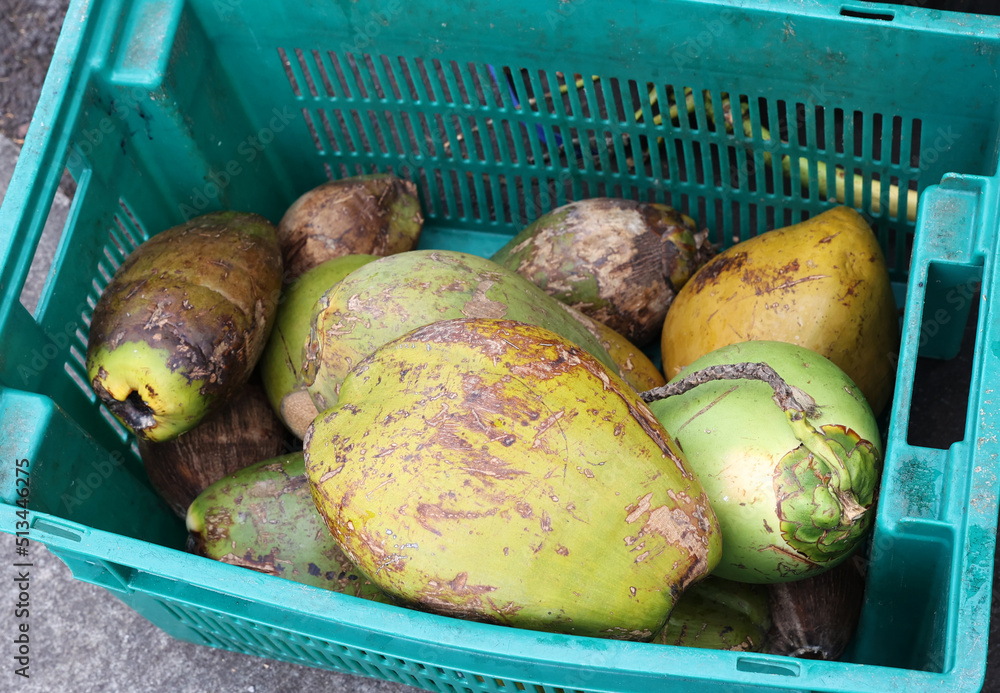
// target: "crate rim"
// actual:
[[399, 624]]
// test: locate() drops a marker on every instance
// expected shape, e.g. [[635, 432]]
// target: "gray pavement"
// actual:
[[84, 639]]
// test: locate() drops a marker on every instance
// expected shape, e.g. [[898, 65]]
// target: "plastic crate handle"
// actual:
[[941, 500], [40, 165], [956, 229]]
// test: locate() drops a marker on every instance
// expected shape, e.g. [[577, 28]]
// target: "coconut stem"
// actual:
[[791, 399]]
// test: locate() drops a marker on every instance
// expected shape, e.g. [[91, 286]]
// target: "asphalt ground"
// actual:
[[85, 639]]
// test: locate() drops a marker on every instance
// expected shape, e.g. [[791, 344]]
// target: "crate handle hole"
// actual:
[[859, 14], [55, 530], [37, 284], [949, 323], [760, 666]]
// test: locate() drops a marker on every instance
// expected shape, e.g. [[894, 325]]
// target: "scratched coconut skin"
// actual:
[[262, 517], [184, 320], [820, 284], [490, 470], [393, 295], [376, 214], [619, 261], [634, 367], [281, 362]]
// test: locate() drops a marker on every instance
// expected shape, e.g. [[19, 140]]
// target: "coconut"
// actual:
[[788, 451]]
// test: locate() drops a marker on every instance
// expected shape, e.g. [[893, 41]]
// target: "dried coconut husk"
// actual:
[[377, 214], [244, 431], [815, 618]]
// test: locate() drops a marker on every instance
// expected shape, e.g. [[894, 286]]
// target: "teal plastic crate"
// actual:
[[163, 109]]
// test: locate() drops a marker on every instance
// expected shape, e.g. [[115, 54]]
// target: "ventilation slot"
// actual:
[[915, 149], [306, 72], [317, 142], [287, 64], [80, 381], [860, 14], [124, 236], [570, 135], [130, 226], [114, 423]]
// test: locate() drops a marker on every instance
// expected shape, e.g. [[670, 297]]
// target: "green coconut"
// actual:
[[281, 362], [393, 295], [492, 470], [791, 465], [262, 517], [720, 614]]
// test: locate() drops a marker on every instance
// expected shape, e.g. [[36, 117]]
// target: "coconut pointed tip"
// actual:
[[298, 410]]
